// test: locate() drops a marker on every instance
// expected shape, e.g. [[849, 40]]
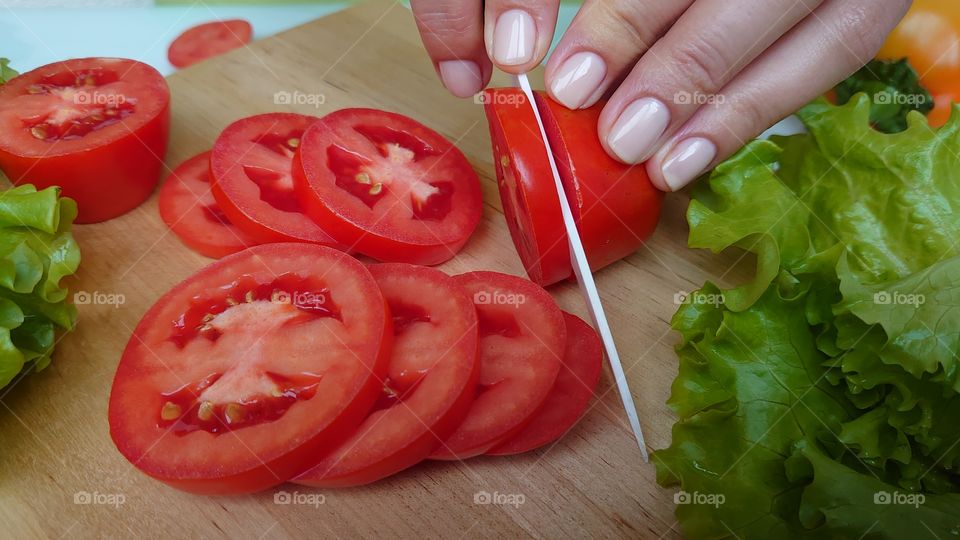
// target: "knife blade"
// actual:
[[588, 287]]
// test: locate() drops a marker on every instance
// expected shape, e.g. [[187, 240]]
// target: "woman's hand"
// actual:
[[689, 81]]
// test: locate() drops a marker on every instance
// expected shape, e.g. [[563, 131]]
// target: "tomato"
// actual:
[[929, 37], [570, 395], [96, 127], [252, 183], [237, 378], [522, 341], [208, 40], [388, 186], [942, 109], [527, 191], [615, 206], [188, 208], [430, 385]]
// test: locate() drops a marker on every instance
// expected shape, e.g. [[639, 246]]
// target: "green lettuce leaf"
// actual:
[[894, 90], [6, 72]]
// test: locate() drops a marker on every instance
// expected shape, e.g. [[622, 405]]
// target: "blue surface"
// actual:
[[34, 37]]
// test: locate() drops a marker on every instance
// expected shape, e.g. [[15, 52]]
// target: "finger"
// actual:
[[604, 41], [518, 33], [452, 33], [836, 40], [705, 49]]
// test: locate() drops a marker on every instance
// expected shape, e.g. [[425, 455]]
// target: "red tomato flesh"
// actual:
[[188, 208], [522, 341], [208, 40], [570, 395], [96, 127], [527, 191], [388, 186], [252, 182], [615, 206], [430, 384], [237, 378]]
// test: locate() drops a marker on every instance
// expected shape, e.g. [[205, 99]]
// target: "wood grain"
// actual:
[[53, 432]]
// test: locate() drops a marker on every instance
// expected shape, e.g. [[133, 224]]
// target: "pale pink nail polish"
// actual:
[[514, 38], [637, 130], [461, 77], [578, 79], [687, 162]]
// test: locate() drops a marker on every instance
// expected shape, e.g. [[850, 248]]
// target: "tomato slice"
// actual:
[[570, 394], [522, 341], [251, 164], [615, 206], [527, 191], [430, 385], [188, 208], [389, 186], [237, 378], [97, 127], [208, 40]]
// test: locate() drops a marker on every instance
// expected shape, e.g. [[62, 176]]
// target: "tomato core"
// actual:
[[84, 108]]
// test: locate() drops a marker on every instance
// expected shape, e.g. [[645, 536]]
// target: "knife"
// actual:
[[588, 287]]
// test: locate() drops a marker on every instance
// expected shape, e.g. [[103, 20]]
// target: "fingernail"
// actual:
[[637, 129], [514, 37], [687, 162], [461, 77], [578, 79]]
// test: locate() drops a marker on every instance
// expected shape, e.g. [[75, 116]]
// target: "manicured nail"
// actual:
[[461, 77], [578, 79], [514, 37], [687, 162], [637, 129]]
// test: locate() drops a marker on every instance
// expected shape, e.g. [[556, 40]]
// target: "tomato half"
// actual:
[[97, 127], [430, 384], [522, 341], [188, 208], [208, 40], [527, 191], [388, 186], [615, 206], [570, 395], [252, 183], [237, 378]]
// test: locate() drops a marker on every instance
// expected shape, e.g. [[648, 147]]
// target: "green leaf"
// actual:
[[6, 72], [894, 90]]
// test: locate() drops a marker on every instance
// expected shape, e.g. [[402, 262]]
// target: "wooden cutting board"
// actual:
[[60, 475]]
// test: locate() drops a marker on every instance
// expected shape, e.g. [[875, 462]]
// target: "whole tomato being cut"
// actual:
[[252, 182], [570, 395], [96, 127], [615, 206], [388, 186], [208, 40], [522, 342], [239, 377], [188, 208], [430, 384]]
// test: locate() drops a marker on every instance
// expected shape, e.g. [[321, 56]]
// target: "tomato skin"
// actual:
[[208, 40], [615, 206], [384, 235], [110, 176], [260, 456], [928, 37], [185, 203], [402, 434], [570, 395]]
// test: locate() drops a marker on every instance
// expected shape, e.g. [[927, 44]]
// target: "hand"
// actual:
[[689, 81]]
